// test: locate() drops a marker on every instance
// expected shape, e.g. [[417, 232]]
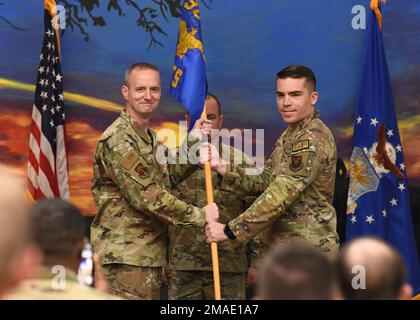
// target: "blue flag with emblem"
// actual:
[[189, 81], [378, 202]]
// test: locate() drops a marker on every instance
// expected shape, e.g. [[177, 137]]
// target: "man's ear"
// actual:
[[221, 121], [124, 91], [314, 98]]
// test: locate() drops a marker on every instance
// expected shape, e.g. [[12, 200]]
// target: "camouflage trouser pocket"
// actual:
[[134, 282]]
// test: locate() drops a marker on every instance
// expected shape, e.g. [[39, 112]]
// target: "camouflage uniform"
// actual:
[[133, 282], [130, 190], [47, 286], [297, 185], [190, 263]]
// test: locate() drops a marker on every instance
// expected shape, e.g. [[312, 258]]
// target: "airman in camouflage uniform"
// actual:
[[58, 231], [190, 264], [297, 184], [130, 188], [46, 285]]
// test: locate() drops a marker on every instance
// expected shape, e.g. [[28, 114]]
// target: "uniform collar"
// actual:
[[148, 136], [303, 124], [45, 272]]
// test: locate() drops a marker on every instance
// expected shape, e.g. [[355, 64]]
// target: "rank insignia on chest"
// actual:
[[296, 163], [129, 159], [301, 145], [142, 170]]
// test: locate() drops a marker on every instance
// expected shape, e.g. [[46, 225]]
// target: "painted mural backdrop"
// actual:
[[246, 42]]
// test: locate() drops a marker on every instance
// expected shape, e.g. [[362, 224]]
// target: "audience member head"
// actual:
[[18, 256], [59, 230], [295, 271], [368, 268]]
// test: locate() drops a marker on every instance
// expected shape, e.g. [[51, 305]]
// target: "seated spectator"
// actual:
[[295, 271], [59, 232], [18, 257], [368, 268]]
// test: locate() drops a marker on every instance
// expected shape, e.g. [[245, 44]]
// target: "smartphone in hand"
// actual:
[[85, 273]]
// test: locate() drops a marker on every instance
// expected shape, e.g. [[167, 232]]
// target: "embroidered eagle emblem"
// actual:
[[188, 41], [382, 157]]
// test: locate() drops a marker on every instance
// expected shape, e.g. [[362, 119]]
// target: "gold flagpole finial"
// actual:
[[374, 5], [50, 6]]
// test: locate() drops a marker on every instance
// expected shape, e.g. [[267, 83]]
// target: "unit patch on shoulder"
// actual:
[[296, 163], [142, 170], [301, 145], [129, 159]]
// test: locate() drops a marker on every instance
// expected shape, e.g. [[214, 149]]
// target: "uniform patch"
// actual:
[[123, 148], [296, 163], [301, 145], [315, 130], [129, 159], [142, 170]]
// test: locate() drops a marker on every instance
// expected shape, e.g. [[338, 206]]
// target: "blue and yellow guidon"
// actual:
[[189, 82]]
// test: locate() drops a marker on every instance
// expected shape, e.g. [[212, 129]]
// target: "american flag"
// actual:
[[47, 162]]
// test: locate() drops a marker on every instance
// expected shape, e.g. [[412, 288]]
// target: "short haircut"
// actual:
[[298, 72], [208, 97], [58, 227], [139, 66], [384, 269], [295, 271], [219, 105]]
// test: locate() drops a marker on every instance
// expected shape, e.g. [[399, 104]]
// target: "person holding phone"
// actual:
[[59, 231]]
